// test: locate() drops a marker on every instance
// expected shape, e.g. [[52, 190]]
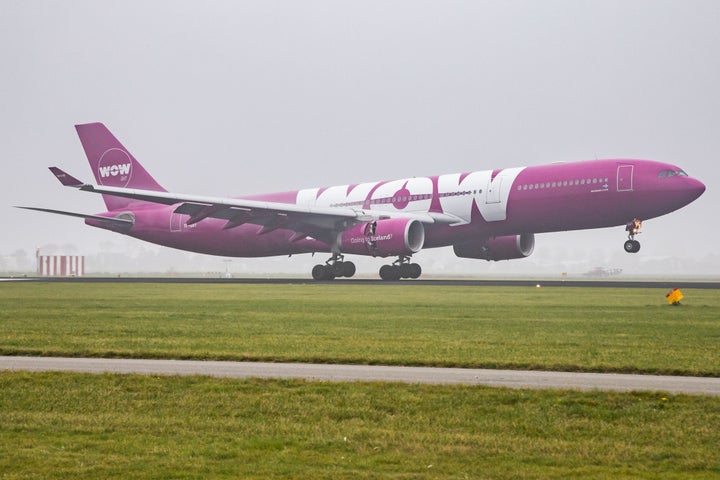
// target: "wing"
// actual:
[[305, 220], [118, 221]]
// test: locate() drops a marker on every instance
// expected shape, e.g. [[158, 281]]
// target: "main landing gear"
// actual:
[[400, 268], [334, 267], [633, 228]]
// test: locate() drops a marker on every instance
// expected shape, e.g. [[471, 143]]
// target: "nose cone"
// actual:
[[697, 187], [688, 191]]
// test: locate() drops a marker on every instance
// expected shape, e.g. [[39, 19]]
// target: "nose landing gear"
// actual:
[[400, 268], [633, 228], [334, 267]]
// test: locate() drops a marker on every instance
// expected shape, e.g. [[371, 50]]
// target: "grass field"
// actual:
[[64, 425], [576, 329], [61, 425]]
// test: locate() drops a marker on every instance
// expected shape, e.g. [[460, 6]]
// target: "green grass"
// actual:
[[72, 426], [579, 329]]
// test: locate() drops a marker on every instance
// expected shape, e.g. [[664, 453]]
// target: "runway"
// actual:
[[435, 282], [372, 373]]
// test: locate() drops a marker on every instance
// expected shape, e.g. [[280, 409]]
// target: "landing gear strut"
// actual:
[[334, 267], [633, 228], [400, 268]]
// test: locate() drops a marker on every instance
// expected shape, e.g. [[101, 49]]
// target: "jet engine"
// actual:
[[382, 238], [498, 248]]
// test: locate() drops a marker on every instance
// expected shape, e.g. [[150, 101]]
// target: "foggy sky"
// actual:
[[234, 97]]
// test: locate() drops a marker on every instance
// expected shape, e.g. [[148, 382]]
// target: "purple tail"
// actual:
[[113, 165]]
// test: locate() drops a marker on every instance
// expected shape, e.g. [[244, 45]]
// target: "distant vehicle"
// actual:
[[603, 272], [487, 214]]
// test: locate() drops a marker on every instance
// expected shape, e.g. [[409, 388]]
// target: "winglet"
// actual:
[[65, 178]]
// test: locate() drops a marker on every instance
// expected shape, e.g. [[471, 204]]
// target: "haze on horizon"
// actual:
[[230, 97]]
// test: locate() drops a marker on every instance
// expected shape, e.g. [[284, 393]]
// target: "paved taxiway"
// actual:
[[371, 373]]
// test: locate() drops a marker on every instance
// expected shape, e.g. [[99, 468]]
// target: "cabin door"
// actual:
[[493, 190], [625, 178]]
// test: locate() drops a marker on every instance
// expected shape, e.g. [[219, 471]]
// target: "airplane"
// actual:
[[489, 214]]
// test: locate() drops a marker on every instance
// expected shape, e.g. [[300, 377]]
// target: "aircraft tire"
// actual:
[[348, 269], [323, 272], [415, 270], [632, 246], [390, 273], [318, 272], [337, 268]]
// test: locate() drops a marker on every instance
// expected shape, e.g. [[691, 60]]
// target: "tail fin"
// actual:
[[113, 165]]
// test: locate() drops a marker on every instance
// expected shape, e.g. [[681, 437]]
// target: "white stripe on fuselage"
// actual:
[[415, 194]]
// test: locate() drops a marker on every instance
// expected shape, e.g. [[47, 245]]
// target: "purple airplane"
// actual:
[[489, 215]]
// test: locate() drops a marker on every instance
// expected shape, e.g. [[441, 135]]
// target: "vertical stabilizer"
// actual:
[[113, 165]]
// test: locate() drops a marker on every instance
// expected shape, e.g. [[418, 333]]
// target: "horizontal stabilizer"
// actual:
[[111, 220], [65, 178]]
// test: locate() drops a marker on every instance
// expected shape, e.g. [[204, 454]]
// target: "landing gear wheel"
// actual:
[[390, 273], [633, 228], [342, 269], [348, 269], [334, 267], [337, 268], [409, 270], [631, 246], [415, 270], [400, 268], [323, 272], [318, 272]]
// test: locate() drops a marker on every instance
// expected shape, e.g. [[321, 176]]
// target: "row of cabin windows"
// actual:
[[407, 198], [531, 186], [564, 183]]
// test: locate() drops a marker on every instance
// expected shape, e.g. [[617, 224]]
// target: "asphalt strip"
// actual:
[[372, 373]]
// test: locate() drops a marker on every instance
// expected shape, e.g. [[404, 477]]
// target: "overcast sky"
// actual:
[[234, 97]]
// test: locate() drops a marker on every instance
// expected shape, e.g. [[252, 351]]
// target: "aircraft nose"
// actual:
[[696, 187], [689, 190]]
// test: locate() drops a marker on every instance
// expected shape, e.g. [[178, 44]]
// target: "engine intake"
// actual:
[[498, 248], [383, 238]]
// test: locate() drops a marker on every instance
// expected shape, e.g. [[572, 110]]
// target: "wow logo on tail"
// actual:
[[114, 168]]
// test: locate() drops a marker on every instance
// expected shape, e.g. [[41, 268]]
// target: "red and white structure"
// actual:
[[60, 265]]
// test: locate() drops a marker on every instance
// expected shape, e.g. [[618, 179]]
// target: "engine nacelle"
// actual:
[[498, 248], [382, 238]]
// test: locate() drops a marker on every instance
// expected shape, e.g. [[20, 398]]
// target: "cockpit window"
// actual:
[[671, 173]]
